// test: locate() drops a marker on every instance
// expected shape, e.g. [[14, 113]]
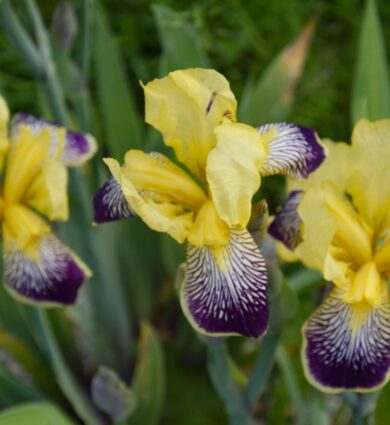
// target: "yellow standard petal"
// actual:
[[233, 172], [185, 107], [370, 178], [352, 233], [335, 168], [156, 210], [319, 227]]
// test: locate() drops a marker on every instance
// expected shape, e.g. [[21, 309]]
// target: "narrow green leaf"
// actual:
[[269, 98], [180, 42], [149, 379], [382, 413], [371, 89], [65, 378], [220, 374], [122, 126], [34, 414], [14, 389]]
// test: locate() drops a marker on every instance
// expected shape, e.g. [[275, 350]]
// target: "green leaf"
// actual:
[[67, 382], [269, 98], [149, 379], [121, 123], [180, 42], [34, 414], [371, 89], [382, 412]]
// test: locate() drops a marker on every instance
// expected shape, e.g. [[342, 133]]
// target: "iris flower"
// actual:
[[207, 199], [338, 222], [37, 267]]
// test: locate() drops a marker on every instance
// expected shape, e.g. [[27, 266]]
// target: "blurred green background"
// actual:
[[114, 45]]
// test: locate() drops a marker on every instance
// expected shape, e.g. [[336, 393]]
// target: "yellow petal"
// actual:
[[352, 234], [48, 191], [24, 228], [319, 227], [233, 171], [370, 181], [366, 285], [209, 229], [27, 155], [158, 213], [157, 173], [185, 107]]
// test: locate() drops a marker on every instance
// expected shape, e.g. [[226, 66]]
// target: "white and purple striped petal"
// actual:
[[79, 147], [110, 204], [286, 226], [225, 291], [54, 278], [295, 151], [347, 346]]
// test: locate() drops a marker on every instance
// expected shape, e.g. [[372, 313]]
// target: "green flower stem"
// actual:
[[65, 379], [218, 367], [19, 38], [263, 367], [292, 385]]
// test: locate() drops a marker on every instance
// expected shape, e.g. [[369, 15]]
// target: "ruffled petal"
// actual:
[[157, 211], [286, 226], [347, 346], [294, 150], [185, 107], [335, 168], [233, 171], [369, 172], [110, 204], [78, 147], [225, 289], [38, 268]]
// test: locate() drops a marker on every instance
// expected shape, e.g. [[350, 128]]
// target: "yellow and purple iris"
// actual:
[[37, 267], [338, 222], [208, 200]]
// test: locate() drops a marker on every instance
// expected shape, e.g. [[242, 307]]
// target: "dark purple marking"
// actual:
[[56, 279], [211, 101], [340, 360], [294, 152], [316, 152], [77, 145], [215, 306], [110, 204]]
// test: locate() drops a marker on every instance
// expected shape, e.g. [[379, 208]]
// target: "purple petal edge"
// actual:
[[317, 151], [339, 360], [208, 298], [78, 146], [110, 204], [55, 280]]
